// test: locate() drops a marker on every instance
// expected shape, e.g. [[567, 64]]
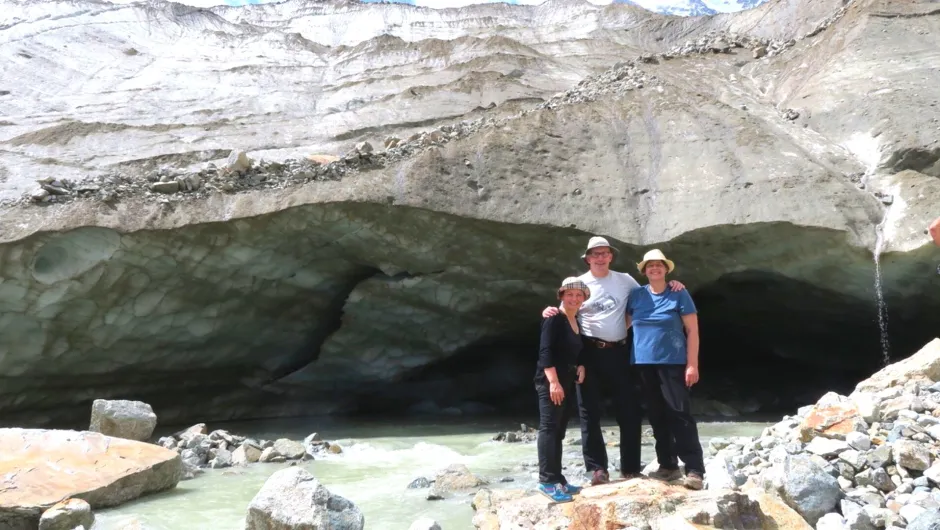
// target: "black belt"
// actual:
[[598, 343]]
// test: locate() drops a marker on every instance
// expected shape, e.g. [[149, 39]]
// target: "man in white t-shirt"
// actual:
[[606, 358]]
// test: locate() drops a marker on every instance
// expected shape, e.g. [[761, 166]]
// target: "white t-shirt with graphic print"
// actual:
[[603, 315]]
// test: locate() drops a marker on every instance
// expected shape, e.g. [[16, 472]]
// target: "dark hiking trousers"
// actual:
[[553, 420], [669, 408], [608, 373]]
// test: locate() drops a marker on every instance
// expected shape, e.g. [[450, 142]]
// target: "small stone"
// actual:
[[425, 524], [826, 447], [928, 520], [831, 521], [223, 458], [270, 455], [911, 455], [858, 440], [237, 162], [165, 187], [419, 483], [434, 495], [910, 512], [67, 515], [877, 478]]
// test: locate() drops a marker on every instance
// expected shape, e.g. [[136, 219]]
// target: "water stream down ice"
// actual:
[[879, 294]]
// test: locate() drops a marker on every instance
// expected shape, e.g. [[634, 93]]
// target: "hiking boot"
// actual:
[[631, 475], [600, 477], [571, 489], [694, 481], [554, 492], [666, 475]]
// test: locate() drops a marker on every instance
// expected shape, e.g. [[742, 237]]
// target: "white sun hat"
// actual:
[[598, 241], [654, 255]]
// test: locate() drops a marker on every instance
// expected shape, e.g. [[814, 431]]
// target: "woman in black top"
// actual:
[[557, 373]]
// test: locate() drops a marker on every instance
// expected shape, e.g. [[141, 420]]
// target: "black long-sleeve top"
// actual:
[[560, 345]]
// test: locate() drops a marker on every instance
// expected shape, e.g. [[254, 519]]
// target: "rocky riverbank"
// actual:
[[864, 461]]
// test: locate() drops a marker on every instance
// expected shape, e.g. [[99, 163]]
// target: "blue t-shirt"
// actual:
[[658, 333]]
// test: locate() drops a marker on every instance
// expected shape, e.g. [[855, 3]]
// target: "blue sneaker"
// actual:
[[554, 492], [571, 489]]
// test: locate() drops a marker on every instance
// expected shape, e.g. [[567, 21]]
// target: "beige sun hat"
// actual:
[[654, 255], [598, 241], [572, 282]]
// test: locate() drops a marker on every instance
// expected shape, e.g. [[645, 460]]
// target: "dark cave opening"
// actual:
[[380, 325], [770, 344]]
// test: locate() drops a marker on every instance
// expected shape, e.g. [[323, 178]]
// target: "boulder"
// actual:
[[133, 420], [456, 477], [40, 468], [289, 449], [292, 499], [641, 503], [911, 455], [833, 420], [923, 366], [929, 520], [245, 454], [67, 515], [222, 458], [808, 489]]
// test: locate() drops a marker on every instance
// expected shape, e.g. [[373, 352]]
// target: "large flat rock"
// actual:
[[641, 503], [39, 468]]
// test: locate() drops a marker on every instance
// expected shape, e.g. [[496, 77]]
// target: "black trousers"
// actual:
[[553, 420], [609, 373], [669, 406]]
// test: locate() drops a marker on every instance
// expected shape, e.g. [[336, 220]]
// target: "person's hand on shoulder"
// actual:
[[676, 285], [549, 312]]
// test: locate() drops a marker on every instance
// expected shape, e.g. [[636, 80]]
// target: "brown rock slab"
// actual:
[[831, 421], [322, 159], [644, 503], [40, 468]]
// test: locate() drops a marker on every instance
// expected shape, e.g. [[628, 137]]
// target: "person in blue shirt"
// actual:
[[665, 355]]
